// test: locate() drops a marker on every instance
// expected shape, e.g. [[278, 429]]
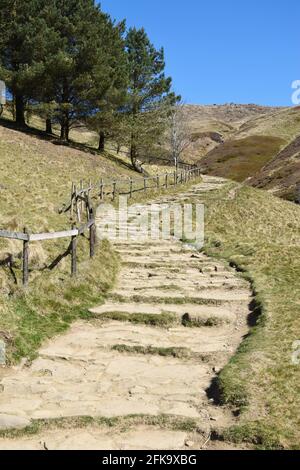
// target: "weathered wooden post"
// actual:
[[181, 177], [145, 184], [92, 234], [26, 259], [89, 190], [114, 189], [73, 253], [166, 180], [157, 181], [77, 208], [72, 200], [130, 188], [175, 178], [81, 201], [101, 190]]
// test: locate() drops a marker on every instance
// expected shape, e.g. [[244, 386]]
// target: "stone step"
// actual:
[[97, 438], [169, 283], [209, 296], [200, 312]]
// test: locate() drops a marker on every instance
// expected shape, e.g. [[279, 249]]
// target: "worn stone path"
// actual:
[[172, 322]]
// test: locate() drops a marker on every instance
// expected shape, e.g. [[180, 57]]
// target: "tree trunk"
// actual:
[[48, 126], [101, 146], [20, 111], [65, 130]]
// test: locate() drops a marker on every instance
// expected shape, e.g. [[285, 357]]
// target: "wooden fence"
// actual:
[[80, 207], [108, 190], [73, 234]]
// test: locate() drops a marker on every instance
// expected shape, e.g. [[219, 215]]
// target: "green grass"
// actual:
[[120, 424], [52, 302], [262, 437], [167, 300], [164, 320], [261, 235], [181, 353], [35, 181]]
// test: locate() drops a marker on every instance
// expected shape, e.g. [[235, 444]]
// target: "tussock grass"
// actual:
[[261, 235], [120, 424], [166, 300], [163, 320], [35, 180], [181, 353], [52, 302], [242, 158]]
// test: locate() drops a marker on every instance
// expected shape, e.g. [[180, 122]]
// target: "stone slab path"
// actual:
[[172, 322]]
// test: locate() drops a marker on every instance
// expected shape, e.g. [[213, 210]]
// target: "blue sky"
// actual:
[[220, 51]]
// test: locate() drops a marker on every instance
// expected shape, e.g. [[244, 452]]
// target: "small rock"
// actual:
[[13, 422], [189, 443], [45, 373]]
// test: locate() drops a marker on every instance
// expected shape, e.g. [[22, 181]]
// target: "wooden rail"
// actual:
[[73, 234], [103, 190], [80, 206]]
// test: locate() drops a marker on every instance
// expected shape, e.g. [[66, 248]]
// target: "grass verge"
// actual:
[[260, 234], [52, 302], [120, 424]]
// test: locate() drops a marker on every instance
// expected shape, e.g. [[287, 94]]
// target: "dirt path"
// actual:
[[152, 351]]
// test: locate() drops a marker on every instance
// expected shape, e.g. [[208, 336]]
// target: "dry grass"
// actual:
[[261, 234], [243, 158], [35, 180]]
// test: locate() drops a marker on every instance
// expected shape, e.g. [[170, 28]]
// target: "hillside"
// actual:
[[36, 177], [213, 124], [253, 146], [35, 180], [282, 174]]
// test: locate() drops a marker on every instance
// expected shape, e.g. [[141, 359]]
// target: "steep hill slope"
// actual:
[[282, 174], [253, 145], [35, 180], [213, 124]]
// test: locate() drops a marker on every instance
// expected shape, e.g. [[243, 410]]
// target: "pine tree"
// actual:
[[149, 93], [89, 62], [107, 121], [25, 40]]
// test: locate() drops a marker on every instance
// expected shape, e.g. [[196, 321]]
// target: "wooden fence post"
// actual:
[[130, 187], [73, 253], [25, 259], [175, 178], [101, 190], [157, 181], [145, 184], [114, 188], [72, 199], [92, 235], [166, 180], [81, 201]]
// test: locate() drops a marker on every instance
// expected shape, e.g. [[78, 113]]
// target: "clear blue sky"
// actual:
[[218, 51]]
